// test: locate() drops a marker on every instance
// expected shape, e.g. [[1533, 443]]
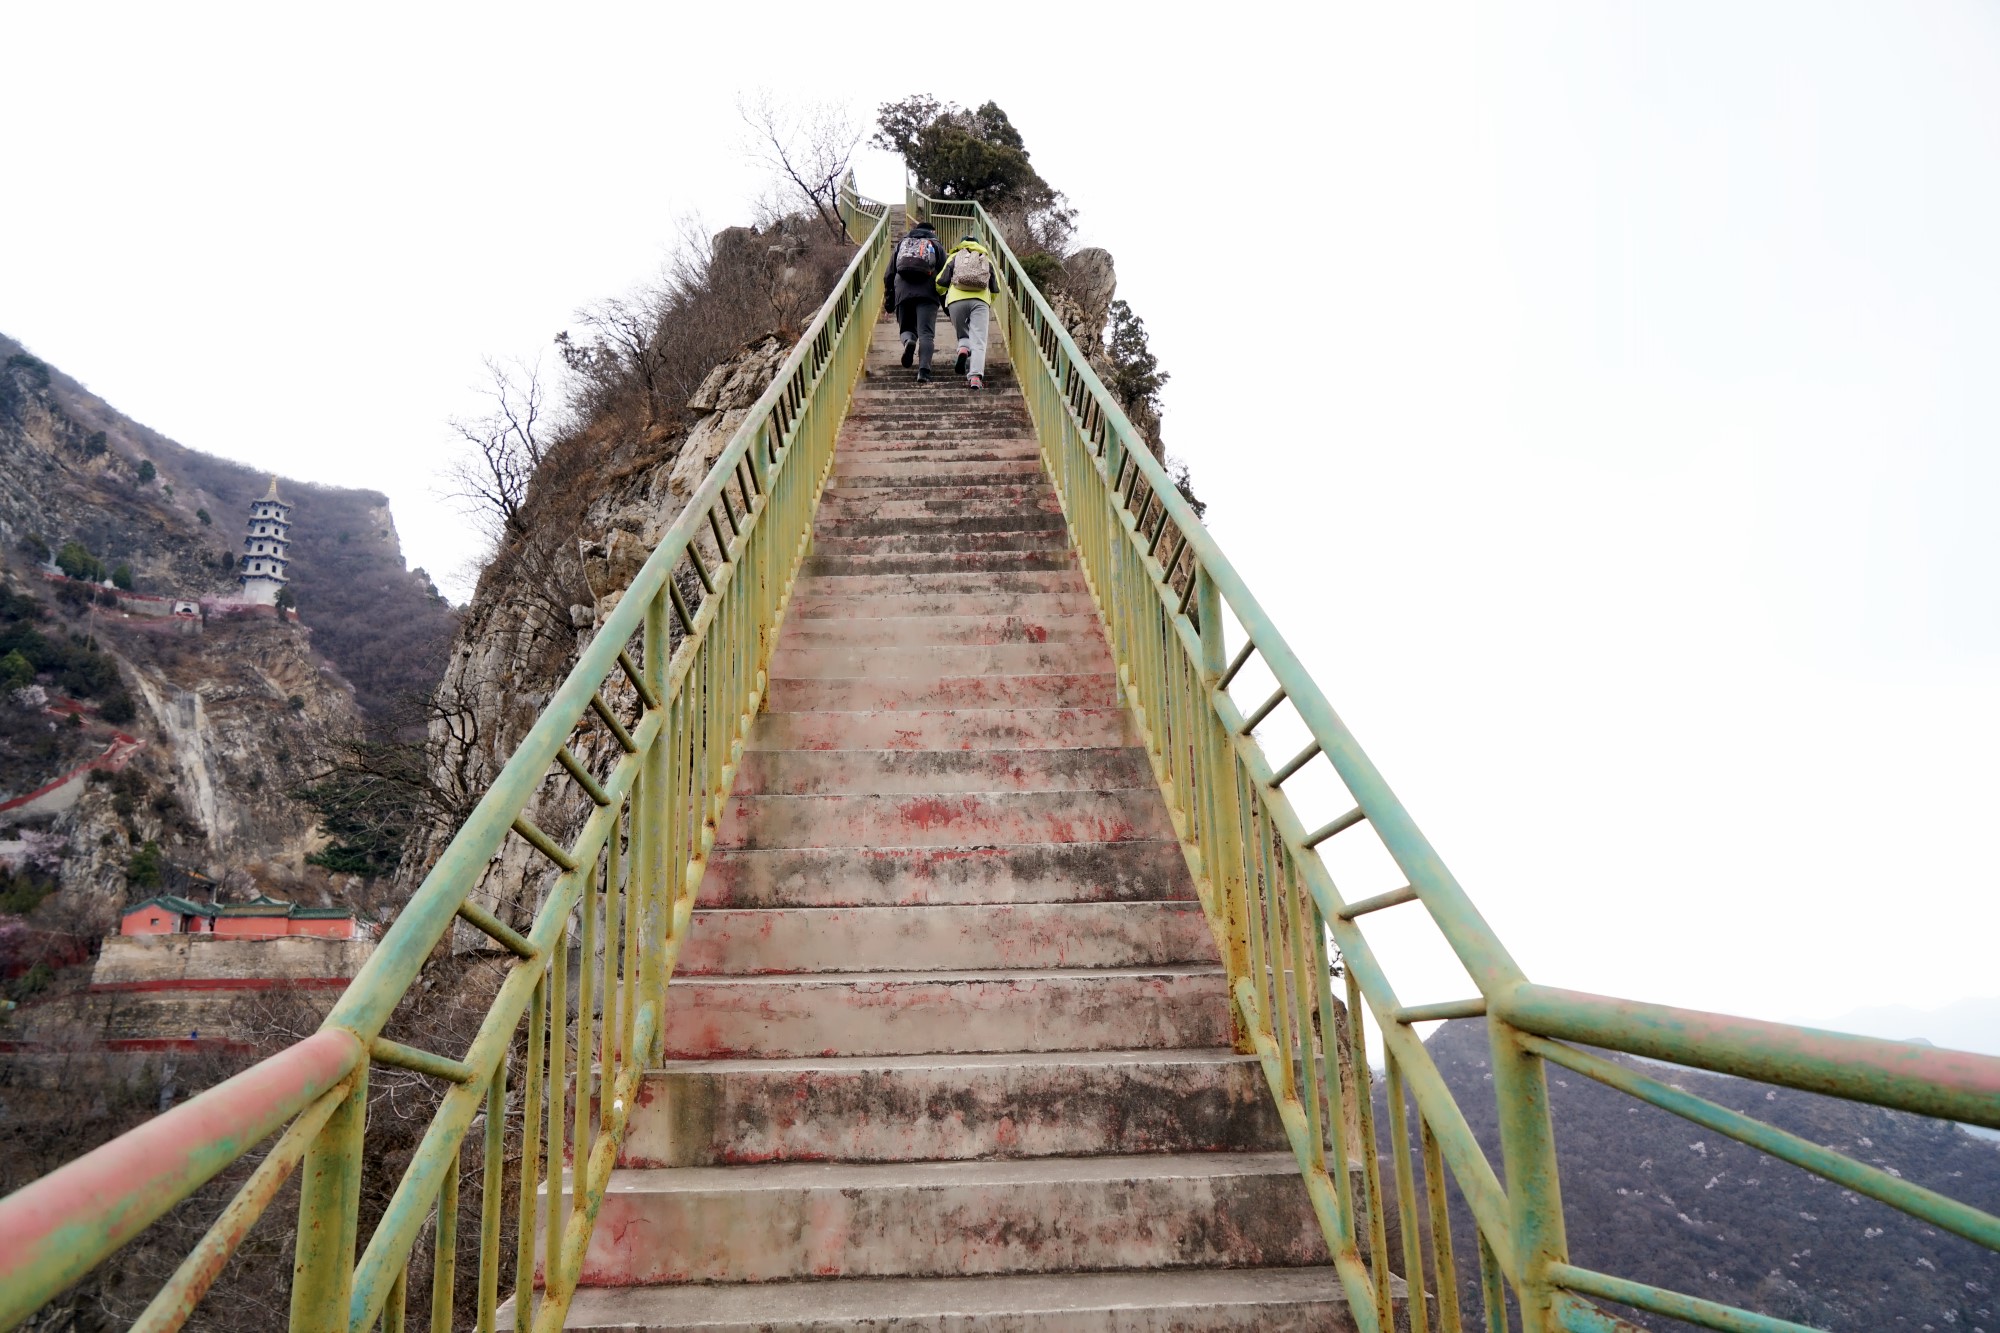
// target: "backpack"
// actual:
[[971, 271], [917, 256]]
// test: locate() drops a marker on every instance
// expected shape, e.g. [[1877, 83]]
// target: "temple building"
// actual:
[[262, 572]]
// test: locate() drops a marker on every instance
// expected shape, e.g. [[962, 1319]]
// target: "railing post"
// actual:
[[1534, 1192], [649, 811], [1223, 857], [329, 1216]]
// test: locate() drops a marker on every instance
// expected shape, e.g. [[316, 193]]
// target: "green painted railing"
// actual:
[[666, 690], [1172, 605]]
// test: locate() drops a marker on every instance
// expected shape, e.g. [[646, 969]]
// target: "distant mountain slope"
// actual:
[[1965, 1025], [1655, 1198], [70, 468]]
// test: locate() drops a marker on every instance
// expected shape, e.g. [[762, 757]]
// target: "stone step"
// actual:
[[939, 443], [1272, 1300], [767, 772], [944, 729], [855, 630], [949, 692], [978, 479], [956, 1108], [790, 1221], [835, 539], [888, 876], [947, 1013], [930, 661], [1054, 582], [981, 446], [994, 498], [813, 601], [954, 819], [882, 520], [1055, 559], [932, 471], [871, 522], [841, 506], [967, 938]]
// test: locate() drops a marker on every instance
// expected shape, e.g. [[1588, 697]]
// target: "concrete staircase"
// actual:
[[948, 1046]]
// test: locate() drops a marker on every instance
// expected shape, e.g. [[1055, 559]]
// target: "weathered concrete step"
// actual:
[[880, 876], [944, 729], [954, 819], [952, 692], [930, 661], [811, 601], [929, 1108], [855, 630], [977, 479], [841, 505], [931, 472], [928, 1219], [982, 446], [1068, 582], [1273, 1300], [928, 772], [939, 439], [964, 562], [965, 938], [834, 540], [1002, 519], [918, 1013], [940, 443], [938, 499]]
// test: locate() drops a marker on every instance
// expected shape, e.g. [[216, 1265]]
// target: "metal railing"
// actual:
[[667, 689], [1164, 591], [669, 686]]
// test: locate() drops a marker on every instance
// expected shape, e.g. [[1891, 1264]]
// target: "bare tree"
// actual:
[[491, 477], [808, 147]]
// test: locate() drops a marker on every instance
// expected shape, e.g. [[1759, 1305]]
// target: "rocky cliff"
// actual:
[[186, 738], [539, 603]]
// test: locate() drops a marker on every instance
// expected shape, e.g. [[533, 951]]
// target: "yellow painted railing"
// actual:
[[666, 690], [1183, 628]]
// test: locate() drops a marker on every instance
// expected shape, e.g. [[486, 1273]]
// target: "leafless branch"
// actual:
[[807, 146]]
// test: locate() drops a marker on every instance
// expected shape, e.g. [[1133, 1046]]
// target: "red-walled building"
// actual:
[[167, 915], [261, 918]]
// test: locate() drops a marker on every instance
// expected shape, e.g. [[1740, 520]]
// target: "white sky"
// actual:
[[1600, 396]]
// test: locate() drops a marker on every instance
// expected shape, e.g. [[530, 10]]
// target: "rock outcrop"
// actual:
[[536, 608]]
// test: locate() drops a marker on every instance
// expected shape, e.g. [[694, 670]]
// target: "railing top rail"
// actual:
[[59, 1228], [1474, 941], [1907, 1075]]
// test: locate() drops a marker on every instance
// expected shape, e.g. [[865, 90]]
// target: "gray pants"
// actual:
[[968, 319], [917, 321]]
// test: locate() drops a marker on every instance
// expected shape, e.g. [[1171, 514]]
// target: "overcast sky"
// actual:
[[1601, 397]]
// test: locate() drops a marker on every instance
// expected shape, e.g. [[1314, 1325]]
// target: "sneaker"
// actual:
[[964, 360], [909, 352], [924, 375], [975, 382]]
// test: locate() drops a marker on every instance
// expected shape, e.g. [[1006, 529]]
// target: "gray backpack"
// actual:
[[971, 271]]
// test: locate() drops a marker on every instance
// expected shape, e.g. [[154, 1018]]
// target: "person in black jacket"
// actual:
[[910, 289]]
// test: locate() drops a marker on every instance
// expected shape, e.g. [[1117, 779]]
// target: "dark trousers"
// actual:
[[917, 318]]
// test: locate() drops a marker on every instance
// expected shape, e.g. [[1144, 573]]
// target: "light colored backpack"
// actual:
[[971, 271]]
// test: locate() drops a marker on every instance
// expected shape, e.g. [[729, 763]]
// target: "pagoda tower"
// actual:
[[264, 546]]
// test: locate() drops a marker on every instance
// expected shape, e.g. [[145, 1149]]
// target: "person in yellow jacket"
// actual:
[[968, 282]]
